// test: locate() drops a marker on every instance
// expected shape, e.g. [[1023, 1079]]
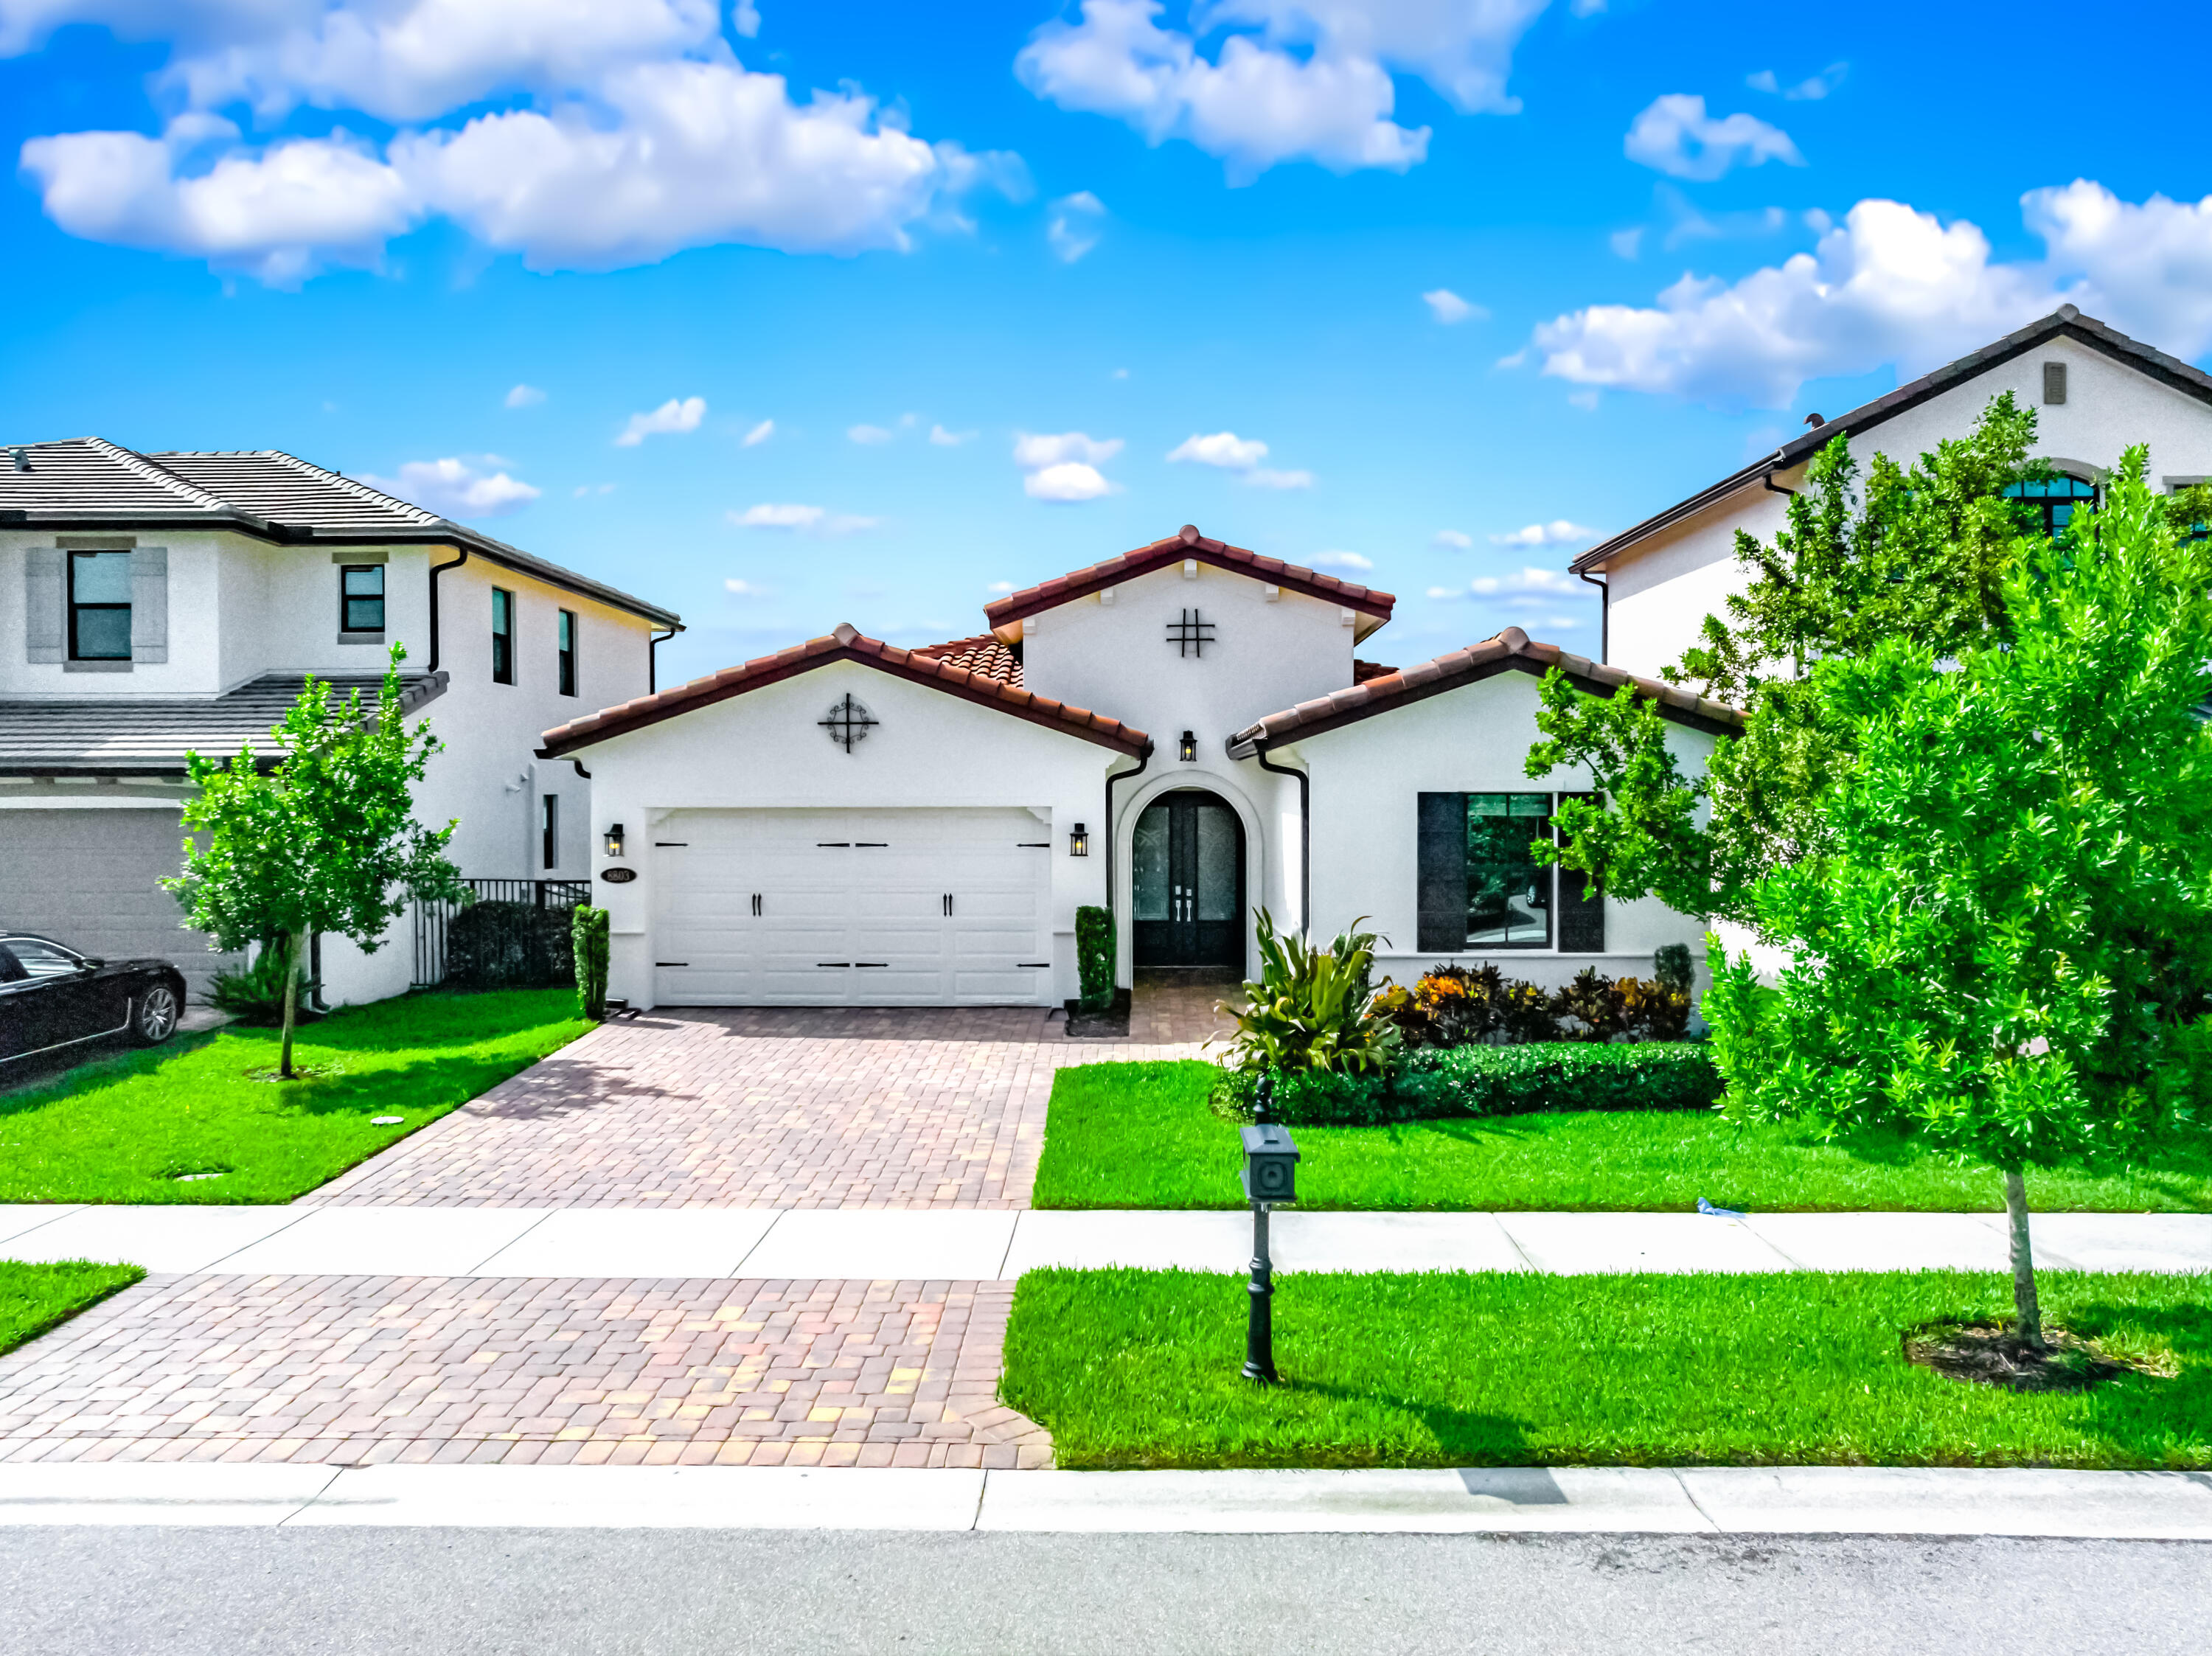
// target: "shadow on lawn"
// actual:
[[1463, 1437], [2140, 1414]]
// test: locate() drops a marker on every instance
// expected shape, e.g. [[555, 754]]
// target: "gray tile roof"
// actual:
[[89, 482], [114, 734]]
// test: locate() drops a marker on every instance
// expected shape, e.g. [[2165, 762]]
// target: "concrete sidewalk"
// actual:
[[1728, 1501], [981, 1245]]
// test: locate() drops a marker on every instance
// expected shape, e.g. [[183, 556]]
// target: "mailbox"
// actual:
[[1270, 1163]]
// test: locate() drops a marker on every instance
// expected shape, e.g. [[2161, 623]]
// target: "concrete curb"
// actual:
[[1690, 1500]]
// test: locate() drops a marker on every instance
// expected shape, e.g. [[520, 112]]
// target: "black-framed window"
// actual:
[[1480, 887], [567, 642], [361, 597], [2054, 501], [99, 606], [503, 636], [548, 829]]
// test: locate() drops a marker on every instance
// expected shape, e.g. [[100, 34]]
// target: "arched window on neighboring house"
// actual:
[[2055, 501]]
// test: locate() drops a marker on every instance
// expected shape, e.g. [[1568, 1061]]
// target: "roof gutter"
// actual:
[[653, 659], [1305, 835], [437, 570], [1604, 614], [1112, 777]]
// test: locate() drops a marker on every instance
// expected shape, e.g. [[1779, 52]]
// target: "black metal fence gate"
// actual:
[[431, 918]]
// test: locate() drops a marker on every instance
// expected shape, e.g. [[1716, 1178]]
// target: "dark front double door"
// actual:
[[1187, 879]]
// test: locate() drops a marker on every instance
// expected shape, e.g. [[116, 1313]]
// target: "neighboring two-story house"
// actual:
[[156, 604]]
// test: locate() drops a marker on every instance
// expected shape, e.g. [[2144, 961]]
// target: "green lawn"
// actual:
[[1139, 1136], [33, 1298], [1139, 1369], [126, 1129]]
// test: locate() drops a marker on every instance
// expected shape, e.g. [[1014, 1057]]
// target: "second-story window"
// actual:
[[360, 598], [567, 652], [99, 606], [548, 830], [503, 636], [2054, 501]]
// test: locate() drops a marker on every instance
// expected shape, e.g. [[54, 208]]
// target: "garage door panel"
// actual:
[[91, 878]]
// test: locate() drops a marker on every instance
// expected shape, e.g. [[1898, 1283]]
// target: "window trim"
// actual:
[[1554, 912], [549, 831], [73, 608], [503, 636], [564, 642], [346, 599]]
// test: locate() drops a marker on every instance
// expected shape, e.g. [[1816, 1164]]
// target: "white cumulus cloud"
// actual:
[[453, 487], [673, 416], [1557, 533], [759, 434], [1227, 451], [1453, 540], [806, 520], [1447, 307], [1064, 467], [745, 589], [1073, 228], [1532, 583], [943, 439], [1812, 87], [1340, 561], [1676, 137], [525, 397], [869, 435], [1290, 80]]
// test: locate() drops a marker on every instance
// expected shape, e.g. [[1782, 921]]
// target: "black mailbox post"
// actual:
[[1271, 1175]]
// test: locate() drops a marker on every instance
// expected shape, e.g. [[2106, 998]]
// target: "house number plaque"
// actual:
[[618, 876]]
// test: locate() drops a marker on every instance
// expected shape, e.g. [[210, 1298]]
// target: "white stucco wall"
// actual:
[[1664, 587], [1366, 780], [765, 749]]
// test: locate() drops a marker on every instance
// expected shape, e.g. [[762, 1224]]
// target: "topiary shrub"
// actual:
[[502, 945], [588, 945], [1094, 957]]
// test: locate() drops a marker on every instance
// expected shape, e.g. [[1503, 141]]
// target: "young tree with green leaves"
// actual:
[[324, 839], [2003, 908]]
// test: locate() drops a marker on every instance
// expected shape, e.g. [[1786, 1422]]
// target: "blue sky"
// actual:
[[896, 304]]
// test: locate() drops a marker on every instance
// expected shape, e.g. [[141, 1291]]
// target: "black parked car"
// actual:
[[51, 997]]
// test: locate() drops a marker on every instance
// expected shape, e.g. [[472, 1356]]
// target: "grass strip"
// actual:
[[1140, 1135], [35, 1298], [1139, 1369], [134, 1128]]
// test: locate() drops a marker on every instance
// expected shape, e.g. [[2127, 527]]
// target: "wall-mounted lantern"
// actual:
[[1186, 749], [615, 840], [1079, 842]]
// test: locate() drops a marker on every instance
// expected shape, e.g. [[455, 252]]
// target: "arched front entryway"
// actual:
[[1187, 882]]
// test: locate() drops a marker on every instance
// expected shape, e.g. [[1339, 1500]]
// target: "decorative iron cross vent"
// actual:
[[1190, 635], [848, 722]]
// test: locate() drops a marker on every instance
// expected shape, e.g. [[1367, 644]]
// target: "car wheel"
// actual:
[[157, 1015]]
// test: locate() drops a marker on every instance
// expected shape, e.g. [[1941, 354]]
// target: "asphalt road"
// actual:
[[66, 1591]]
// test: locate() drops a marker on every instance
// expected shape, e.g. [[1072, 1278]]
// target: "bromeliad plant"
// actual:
[[1312, 1009]]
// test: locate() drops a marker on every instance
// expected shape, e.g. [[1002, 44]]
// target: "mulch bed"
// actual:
[[1991, 1354]]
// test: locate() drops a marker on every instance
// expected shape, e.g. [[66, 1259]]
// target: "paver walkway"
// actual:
[[797, 1108]]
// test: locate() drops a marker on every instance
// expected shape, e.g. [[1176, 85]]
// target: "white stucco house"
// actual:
[[1182, 733], [152, 603], [2094, 392]]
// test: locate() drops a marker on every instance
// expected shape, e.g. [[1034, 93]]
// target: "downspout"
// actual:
[[1112, 777], [653, 658], [1305, 836], [437, 570], [1604, 616]]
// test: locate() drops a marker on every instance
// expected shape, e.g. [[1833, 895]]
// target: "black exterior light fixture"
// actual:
[[1079, 841], [614, 841], [1270, 1175], [1186, 749]]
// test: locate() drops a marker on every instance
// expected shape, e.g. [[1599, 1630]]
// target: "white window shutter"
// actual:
[[46, 601], [149, 604]]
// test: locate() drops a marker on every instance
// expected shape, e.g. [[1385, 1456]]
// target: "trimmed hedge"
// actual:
[[1464, 1081], [1094, 957]]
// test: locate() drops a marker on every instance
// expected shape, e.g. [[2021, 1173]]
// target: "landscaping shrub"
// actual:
[[253, 994], [1311, 1008], [1463, 1005], [1094, 957], [588, 945], [502, 945], [1480, 1081]]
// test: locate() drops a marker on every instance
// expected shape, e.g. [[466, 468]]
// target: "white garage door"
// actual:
[[852, 908]]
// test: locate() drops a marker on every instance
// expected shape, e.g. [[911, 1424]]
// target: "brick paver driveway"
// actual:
[[799, 1108]]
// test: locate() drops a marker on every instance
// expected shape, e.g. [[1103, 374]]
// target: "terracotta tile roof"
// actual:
[[89, 482], [982, 655], [845, 645], [127, 736], [1512, 651], [1364, 671], [1373, 608], [2065, 322]]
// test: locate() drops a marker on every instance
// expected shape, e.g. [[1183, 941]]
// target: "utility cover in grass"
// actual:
[[1139, 1369]]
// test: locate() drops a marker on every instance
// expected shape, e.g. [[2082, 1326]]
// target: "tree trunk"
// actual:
[[295, 946], [2027, 1315]]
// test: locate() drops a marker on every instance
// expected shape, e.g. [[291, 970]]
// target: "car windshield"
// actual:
[[41, 960]]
